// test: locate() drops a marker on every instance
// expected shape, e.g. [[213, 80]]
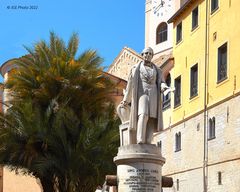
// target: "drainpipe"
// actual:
[[205, 154]]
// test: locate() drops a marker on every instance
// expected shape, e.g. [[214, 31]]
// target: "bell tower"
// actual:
[[158, 33]]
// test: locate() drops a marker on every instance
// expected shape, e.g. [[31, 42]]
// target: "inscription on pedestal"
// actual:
[[140, 179]]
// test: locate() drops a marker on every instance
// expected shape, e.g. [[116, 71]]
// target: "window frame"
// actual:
[[214, 5], [194, 81], [219, 178], [159, 144], [195, 18], [222, 68], [166, 104], [178, 142], [177, 93], [179, 33], [177, 184], [162, 33], [211, 128]]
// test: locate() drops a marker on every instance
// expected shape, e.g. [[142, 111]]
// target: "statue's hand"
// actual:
[[164, 87], [123, 104]]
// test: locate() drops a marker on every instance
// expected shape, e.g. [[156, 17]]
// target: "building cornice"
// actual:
[[5, 66], [201, 111], [200, 167], [182, 9]]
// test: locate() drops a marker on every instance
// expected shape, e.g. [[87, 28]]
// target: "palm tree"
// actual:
[[51, 71], [61, 126]]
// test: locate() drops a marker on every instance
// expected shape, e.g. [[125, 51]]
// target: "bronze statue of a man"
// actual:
[[143, 93]]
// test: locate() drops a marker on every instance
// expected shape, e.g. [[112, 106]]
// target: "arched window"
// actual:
[[159, 144], [178, 141], [162, 31], [211, 129]]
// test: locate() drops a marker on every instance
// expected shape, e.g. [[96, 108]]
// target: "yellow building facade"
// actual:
[[200, 140], [200, 46]]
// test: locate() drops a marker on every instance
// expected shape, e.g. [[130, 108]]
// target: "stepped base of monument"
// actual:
[[139, 168]]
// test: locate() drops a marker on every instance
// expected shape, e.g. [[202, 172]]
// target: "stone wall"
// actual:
[[223, 151]]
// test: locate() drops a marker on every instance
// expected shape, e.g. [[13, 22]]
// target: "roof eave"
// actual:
[[180, 11]]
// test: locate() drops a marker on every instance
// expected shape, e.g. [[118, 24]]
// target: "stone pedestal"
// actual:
[[127, 136], [139, 168]]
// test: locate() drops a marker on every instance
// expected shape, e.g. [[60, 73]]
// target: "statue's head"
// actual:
[[147, 54]]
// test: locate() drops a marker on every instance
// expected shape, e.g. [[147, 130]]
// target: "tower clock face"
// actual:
[[161, 7]]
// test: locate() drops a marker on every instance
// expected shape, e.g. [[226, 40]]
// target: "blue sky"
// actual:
[[104, 25]]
